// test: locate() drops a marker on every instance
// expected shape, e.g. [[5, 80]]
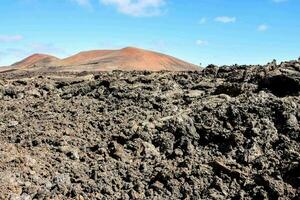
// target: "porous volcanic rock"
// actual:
[[222, 133]]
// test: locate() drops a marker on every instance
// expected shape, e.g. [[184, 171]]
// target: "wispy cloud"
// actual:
[[137, 7], [225, 19], [201, 42], [83, 2], [159, 45], [10, 38], [262, 27], [48, 48], [15, 52], [279, 1], [203, 20]]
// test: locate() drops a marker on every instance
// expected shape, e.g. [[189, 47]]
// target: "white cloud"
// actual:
[[136, 7], [201, 42], [262, 27], [10, 38], [203, 20], [225, 19]]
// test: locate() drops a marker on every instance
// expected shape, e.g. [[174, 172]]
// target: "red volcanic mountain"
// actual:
[[126, 59], [35, 60]]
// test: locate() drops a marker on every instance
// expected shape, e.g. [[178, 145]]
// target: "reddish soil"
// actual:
[[126, 59]]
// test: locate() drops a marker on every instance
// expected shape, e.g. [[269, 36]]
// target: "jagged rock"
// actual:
[[12, 124], [195, 93], [150, 150], [292, 121], [34, 93], [117, 151]]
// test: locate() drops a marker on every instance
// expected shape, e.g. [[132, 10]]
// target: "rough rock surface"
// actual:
[[223, 133]]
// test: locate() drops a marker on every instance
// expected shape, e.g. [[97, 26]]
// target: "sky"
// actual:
[[198, 31]]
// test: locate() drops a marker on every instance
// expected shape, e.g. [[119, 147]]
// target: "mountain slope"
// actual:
[[83, 58], [35, 60], [126, 59]]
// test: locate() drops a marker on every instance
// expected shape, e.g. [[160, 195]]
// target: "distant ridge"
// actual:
[[126, 59], [35, 60]]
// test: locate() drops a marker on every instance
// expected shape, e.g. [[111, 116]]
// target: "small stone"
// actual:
[[117, 151], [34, 93], [157, 186], [20, 95], [225, 96], [12, 124], [150, 150], [195, 93], [29, 161], [107, 190], [166, 142], [73, 154], [253, 153], [27, 184], [70, 152], [255, 131], [31, 172], [48, 87], [178, 152], [135, 195], [187, 146], [48, 185], [80, 197], [62, 179], [292, 121], [24, 196]]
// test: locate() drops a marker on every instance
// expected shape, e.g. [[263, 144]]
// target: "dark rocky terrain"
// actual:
[[220, 133]]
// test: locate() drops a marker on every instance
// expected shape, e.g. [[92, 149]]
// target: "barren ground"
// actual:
[[223, 133]]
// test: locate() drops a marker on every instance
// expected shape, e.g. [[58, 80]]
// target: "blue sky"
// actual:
[[198, 31]]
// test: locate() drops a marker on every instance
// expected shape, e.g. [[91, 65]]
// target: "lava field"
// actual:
[[228, 132]]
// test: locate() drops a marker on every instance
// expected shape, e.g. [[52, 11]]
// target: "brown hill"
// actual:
[[126, 59], [85, 57], [35, 60]]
